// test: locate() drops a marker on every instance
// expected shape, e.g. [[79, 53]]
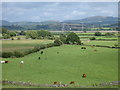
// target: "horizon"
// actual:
[[60, 21], [56, 11]]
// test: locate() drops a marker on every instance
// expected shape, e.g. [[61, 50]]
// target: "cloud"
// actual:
[[26, 11]]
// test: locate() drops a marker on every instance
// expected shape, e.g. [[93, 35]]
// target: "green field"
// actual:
[[11, 45], [68, 65], [104, 43]]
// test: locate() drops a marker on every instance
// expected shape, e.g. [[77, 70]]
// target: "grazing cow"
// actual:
[[39, 57], [55, 83], [84, 76], [6, 61], [21, 62], [2, 62], [72, 82], [83, 47], [41, 52], [95, 50]]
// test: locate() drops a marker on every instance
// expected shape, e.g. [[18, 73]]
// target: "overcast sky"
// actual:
[[42, 11]]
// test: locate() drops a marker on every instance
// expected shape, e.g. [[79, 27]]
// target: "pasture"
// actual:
[[67, 65], [23, 44]]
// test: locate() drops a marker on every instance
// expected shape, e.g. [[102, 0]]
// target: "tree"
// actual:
[[4, 31], [63, 38], [92, 38], [98, 34], [31, 34], [57, 42], [72, 38], [22, 33], [44, 33], [11, 33]]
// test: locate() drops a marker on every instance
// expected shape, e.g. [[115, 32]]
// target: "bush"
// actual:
[[19, 54], [92, 38], [73, 38], [18, 38], [98, 34], [50, 45], [58, 42], [12, 38], [7, 54]]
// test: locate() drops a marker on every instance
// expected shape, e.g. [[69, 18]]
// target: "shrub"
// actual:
[[98, 34], [7, 54], [19, 54], [50, 45], [92, 38], [57, 42], [12, 38], [73, 38], [18, 38]]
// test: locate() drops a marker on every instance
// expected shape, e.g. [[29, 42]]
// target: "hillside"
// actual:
[[57, 25]]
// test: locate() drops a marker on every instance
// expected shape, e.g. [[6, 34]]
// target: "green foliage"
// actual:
[[72, 38], [58, 42], [50, 45], [18, 38], [63, 38], [98, 34], [109, 34], [92, 38], [6, 36], [19, 54], [4, 31], [22, 33], [43, 33], [7, 54], [31, 34], [11, 33], [12, 38]]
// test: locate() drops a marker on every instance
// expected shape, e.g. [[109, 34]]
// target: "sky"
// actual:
[[58, 11]]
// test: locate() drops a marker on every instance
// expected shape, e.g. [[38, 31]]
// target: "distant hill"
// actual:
[[57, 25], [3, 22], [94, 20]]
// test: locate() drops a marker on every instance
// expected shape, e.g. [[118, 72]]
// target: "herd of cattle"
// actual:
[[55, 83]]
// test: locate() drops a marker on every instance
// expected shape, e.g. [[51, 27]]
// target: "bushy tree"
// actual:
[[98, 34], [31, 34], [4, 31], [72, 38], [63, 38], [43, 33], [92, 38], [57, 42], [109, 34], [6, 36]]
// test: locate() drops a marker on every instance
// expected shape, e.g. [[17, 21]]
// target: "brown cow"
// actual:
[[72, 82], [55, 83], [6, 61], [95, 50], [84, 76]]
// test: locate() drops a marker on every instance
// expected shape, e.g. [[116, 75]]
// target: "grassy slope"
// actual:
[[68, 65]]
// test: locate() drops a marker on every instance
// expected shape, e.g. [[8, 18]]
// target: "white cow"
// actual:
[[21, 62], [2, 62]]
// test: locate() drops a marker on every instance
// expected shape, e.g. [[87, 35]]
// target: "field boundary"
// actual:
[[6, 82], [101, 46]]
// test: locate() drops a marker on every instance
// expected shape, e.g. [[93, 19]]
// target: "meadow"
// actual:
[[68, 65], [23, 44]]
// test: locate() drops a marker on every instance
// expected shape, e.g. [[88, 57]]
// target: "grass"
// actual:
[[68, 65], [104, 43], [10, 45]]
